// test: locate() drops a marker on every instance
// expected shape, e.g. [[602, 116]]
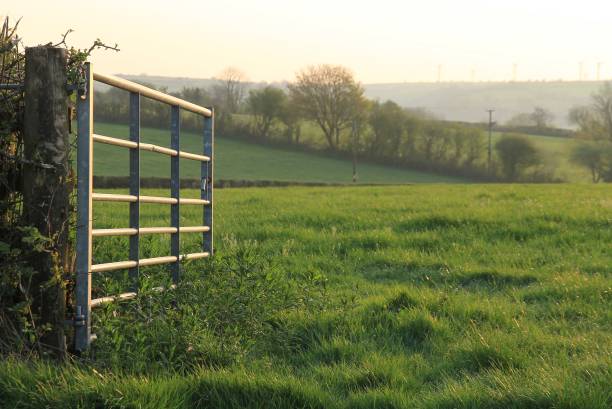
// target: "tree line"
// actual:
[[324, 109], [594, 123]]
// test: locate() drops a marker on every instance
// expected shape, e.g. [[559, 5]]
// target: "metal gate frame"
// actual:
[[86, 196]]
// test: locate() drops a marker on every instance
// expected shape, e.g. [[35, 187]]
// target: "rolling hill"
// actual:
[[457, 101], [238, 160]]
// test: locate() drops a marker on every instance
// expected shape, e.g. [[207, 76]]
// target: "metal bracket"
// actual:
[[78, 320], [12, 87]]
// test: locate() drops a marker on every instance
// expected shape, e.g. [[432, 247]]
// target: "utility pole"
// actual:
[[490, 151], [355, 138]]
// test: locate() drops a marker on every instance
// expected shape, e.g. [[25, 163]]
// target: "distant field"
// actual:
[[415, 297], [555, 150], [244, 161], [556, 153]]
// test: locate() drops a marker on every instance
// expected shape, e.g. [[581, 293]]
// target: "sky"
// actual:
[[381, 41]]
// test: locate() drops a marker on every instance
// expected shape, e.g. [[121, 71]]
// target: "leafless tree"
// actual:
[[231, 88], [602, 107], [541, 117]]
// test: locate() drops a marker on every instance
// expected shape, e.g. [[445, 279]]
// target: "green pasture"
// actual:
[[238, 160], [555, 153], [424, 296]]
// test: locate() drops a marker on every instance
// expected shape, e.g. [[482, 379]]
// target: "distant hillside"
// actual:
[[457, 101], [171, 83], [468, 101]]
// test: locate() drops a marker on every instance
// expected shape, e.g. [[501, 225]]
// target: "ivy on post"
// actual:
[[47, 188]]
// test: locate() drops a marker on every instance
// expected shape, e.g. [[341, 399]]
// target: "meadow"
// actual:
[[237, 160], [555, 152], [426, 296]]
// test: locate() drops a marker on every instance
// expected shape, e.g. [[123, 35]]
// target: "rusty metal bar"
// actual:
[[150, 93]]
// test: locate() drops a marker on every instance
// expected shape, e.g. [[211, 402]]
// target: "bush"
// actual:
[[516, 153], [596, 157]]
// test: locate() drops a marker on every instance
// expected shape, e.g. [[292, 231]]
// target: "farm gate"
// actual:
[[85, 234]]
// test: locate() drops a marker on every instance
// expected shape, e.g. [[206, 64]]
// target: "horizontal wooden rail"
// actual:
[[147, 230], [149, 147], [150, 93], [109, 197], [120, 265]]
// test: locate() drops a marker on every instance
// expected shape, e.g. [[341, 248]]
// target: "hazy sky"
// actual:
[[381, 41]]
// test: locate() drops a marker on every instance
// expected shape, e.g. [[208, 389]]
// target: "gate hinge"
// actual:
[[78, 320]]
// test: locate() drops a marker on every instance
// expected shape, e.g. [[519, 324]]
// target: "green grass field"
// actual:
[[555, 153], [243, 161], [425, 296]]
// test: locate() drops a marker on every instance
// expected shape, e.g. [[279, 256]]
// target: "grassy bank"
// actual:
[[236, 160], [432, 296]]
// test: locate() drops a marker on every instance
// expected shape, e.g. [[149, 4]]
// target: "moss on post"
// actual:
[[47, 188]]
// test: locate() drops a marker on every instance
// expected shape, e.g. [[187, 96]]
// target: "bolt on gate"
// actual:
[[86, 196]]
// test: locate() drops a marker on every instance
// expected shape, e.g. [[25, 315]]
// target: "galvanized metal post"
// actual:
[[206, 172], [135, 187], [175, 189], [82, 320]]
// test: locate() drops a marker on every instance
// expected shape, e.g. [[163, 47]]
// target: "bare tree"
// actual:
[[602, 107], [330, 96], [231, 88], [541, 117], [595, 121]]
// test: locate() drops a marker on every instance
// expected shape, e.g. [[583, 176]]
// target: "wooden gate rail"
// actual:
[[86, 196]]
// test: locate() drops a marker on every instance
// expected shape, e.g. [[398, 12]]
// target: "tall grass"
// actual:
[[387, 297]]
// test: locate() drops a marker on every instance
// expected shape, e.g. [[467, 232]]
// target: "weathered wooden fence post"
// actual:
[[46, 201]]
